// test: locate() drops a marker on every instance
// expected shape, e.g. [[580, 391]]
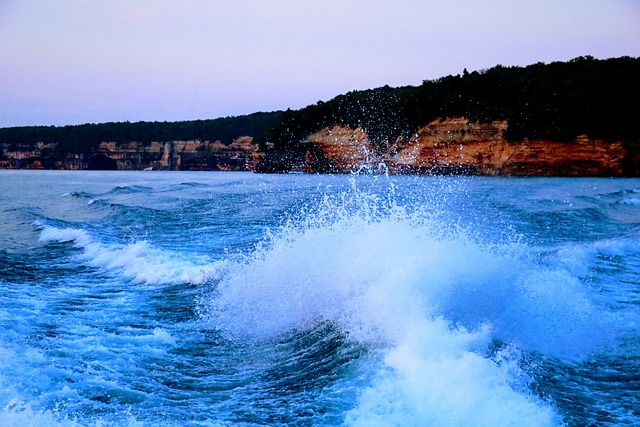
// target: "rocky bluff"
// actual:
[[448, 146], [458, 146], [240, 155]]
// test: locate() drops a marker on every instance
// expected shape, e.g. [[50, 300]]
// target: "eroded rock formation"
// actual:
[[449, 146], [339, 149], [457, 146], [241, 155]]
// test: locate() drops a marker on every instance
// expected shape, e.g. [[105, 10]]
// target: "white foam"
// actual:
[[425, 291], [458, 388], [18, 414], [139, 261], [375, 275], [62, 235], [631, 201]]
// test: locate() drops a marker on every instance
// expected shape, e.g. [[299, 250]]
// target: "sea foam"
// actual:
[[139, 261], [433, 298]]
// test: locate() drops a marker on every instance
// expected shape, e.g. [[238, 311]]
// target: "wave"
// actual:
[[129, 189], [18, 414], [433, 297], [450, 319], [631, 201], [79, 195], [189, 184], [139, 261]]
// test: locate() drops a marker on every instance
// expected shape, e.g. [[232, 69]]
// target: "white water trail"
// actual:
[[427, 294], [138, 261]]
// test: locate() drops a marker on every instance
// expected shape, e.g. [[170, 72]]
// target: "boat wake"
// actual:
[[386, 314]]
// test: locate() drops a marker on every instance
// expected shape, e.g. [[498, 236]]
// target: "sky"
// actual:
[[65, 62]]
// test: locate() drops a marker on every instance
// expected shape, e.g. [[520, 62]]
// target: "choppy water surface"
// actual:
[[236, 299]]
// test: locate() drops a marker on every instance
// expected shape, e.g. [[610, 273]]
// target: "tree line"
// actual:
[[86, 138]]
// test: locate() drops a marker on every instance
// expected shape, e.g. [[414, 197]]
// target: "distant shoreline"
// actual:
[[574, 118]]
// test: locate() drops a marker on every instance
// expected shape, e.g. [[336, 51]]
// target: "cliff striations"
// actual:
[[458, 146], [450, 146], [240, 155]]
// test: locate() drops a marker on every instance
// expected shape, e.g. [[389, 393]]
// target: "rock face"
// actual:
[[241, 155], [450, 146], [339, 149], [456, 146]]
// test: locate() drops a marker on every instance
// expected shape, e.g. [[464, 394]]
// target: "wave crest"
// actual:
[[138, 261]]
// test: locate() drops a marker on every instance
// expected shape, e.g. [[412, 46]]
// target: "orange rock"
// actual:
[[457, 146]]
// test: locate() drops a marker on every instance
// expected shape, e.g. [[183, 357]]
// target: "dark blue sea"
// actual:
[[239, 299]]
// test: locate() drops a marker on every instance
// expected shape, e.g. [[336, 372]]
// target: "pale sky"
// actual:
[[93, 61]]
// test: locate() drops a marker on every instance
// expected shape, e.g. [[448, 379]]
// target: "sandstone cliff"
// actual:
[[450, 146], [339, 149], [240, 155], [457, 146], [183, 155]]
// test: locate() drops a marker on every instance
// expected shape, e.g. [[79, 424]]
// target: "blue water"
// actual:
[[237, 299]]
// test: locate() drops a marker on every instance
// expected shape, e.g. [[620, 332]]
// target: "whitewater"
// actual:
[[240, 299]]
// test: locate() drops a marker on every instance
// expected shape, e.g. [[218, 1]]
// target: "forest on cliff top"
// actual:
[[557, 101]]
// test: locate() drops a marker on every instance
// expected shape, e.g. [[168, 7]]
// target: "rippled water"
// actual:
[[237, 299]]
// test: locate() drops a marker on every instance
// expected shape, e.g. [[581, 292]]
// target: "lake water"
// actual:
[[238, 299]]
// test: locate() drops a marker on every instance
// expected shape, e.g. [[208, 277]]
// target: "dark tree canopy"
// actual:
[[87, 137]]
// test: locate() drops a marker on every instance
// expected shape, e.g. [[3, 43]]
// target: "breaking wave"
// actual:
[[449, 315]]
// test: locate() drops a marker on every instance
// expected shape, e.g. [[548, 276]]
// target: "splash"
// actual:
[[446, 314], [430, 295], [18, 414]]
